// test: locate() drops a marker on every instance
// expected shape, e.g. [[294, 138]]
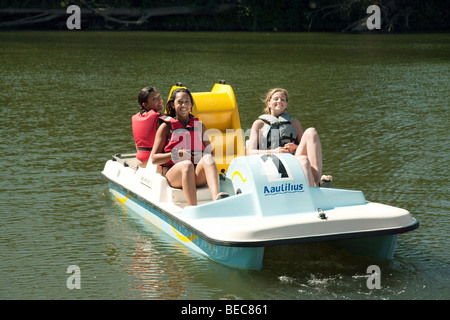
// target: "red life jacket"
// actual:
[[144, 132], [188, 138]]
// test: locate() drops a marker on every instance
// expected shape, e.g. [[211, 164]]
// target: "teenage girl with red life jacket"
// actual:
[[146, 122], [178, 149]]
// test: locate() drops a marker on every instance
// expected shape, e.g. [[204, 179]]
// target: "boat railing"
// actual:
[[127, 159]]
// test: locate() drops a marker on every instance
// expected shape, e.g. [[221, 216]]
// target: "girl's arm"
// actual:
[[253, 142], [158, 154]]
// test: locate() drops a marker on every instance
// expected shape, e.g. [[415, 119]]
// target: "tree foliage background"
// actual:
[[228, 15]]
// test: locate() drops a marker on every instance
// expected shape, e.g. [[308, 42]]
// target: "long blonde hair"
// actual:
[[269, 96]]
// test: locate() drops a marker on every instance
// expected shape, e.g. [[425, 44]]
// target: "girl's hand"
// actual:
[[178, 155], [291, 147], [281, 150]]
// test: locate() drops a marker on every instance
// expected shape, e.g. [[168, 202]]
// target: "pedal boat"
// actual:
[[270, 203]]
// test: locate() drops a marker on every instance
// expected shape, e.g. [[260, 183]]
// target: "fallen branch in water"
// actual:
[[121, 16]]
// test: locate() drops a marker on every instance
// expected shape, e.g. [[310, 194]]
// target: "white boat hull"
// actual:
[[264, 209]]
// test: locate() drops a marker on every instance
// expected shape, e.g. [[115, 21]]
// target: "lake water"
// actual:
[[380, 103]]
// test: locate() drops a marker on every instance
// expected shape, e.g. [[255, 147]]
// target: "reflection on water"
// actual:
[[380, 104]]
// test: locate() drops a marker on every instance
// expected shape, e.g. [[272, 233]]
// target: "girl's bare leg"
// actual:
[[304, 162], [182, 175], [206, 173], [311, 148]]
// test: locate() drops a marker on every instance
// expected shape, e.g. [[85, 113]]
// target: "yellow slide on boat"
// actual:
[[219, 113]]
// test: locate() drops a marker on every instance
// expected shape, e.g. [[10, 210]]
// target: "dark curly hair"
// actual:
[[170, 110], [143, 96]]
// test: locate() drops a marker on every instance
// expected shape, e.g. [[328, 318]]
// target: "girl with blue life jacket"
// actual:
[[183, 151], [145, 123], [277, 132]]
